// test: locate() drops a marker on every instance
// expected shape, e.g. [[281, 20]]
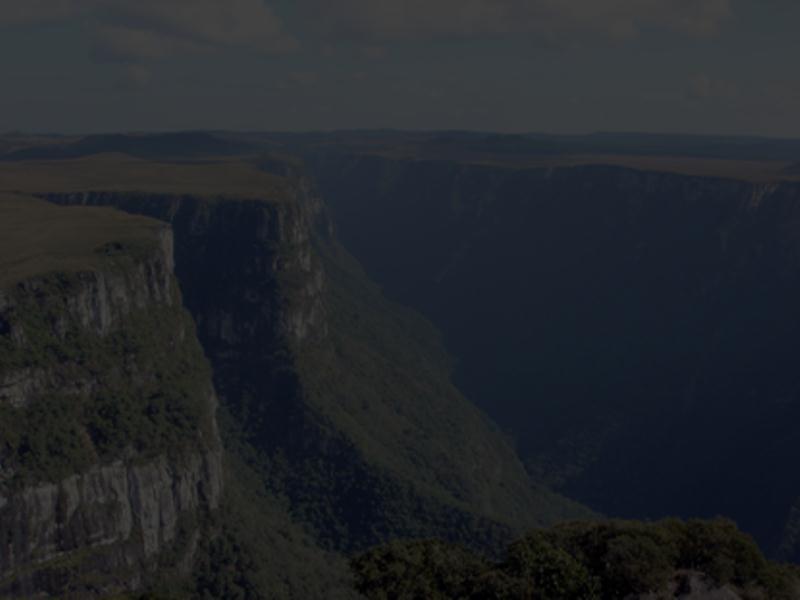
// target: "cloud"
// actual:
[[303, 78], [142, 30], [15, 12], [702, 87], [190, 25], [137, 30], [381, 20], [138, 75]]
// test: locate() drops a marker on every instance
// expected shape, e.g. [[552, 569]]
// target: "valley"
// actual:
[[634, 330], [395, 348]]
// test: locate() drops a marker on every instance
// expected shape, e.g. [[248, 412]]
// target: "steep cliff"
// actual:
[[109, 452], [344, 398], [636, 330]]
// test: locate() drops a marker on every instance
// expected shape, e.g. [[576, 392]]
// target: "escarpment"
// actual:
[[345, 398], [637, 331], [248, 256], [109, 452], [253, 287]]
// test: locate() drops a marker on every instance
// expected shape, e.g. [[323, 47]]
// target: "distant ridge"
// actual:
[[451, 145], [463, 145], [792, 169], [154, 146]]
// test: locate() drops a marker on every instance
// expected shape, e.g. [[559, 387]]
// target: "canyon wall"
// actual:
[[351, 427], [110, 457], [636, 331]]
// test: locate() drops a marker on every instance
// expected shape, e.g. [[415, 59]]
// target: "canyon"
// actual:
[[635, 331], [234, 375]]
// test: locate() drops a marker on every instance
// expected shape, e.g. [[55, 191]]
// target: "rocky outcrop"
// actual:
[[255, 246], [115, 519], [96, 304], [253, 285], [109, 454]]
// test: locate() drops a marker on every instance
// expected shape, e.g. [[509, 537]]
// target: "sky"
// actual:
[[554, 66]]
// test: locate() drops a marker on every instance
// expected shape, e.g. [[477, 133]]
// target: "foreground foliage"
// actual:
[[582, 561]]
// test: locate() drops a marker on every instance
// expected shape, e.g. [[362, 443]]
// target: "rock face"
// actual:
[[95, 304], [339, 446], [94, 498], [634, 329], [254, 287], [115, 519], [251, 246]]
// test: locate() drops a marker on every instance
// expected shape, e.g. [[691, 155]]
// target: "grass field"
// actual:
[[119, 172], [38, 238]]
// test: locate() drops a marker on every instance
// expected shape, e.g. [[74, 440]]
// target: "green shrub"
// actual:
[[583, 561], [635, 564], [548, 571], [721, 551], [625, 557], [419, 569]]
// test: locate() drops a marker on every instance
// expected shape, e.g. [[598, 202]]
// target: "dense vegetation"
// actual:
[[253, 549], [581, 561], [384, 364], [141, 390]]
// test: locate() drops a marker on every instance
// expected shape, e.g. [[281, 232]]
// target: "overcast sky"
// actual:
[[693, 66]]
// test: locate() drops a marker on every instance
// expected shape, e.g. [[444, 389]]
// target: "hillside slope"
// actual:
[[637, 331]]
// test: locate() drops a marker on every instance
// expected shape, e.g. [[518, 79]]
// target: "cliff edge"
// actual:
[[109, 452]]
